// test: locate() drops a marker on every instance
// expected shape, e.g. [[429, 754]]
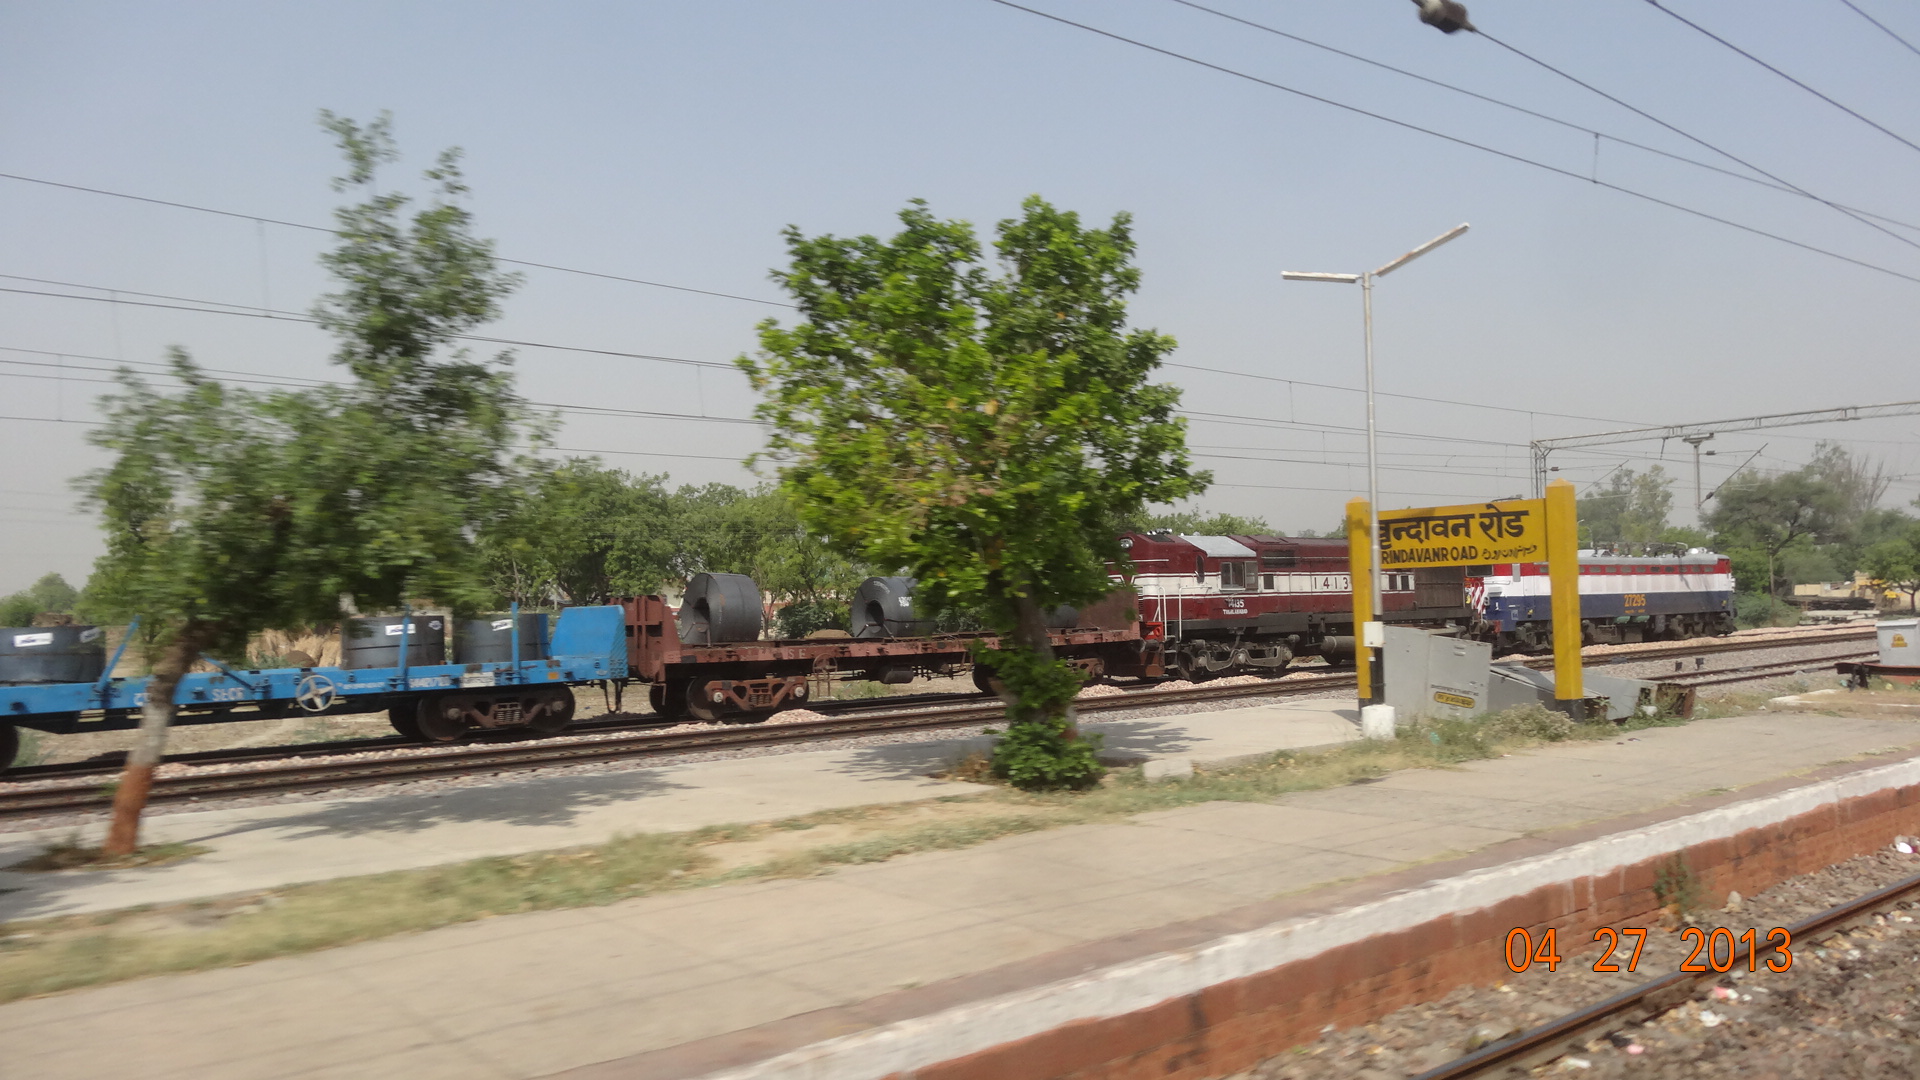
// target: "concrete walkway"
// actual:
[[532, 995], [265, 847]]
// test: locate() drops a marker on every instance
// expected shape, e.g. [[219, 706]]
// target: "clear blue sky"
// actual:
[[672, 142]]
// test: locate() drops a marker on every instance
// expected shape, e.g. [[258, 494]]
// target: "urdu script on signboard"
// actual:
[[1494, 532]]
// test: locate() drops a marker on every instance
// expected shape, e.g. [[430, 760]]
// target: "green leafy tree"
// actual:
[[1895, 564], [1686, 536], [981, 432], [1768, 514], [228, 512], [50, 593], [1631, 508], [721, 528], [583, 533], [1195, 523]]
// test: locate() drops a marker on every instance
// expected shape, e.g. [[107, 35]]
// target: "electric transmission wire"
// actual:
[[1522, 109], [1388, 393], [1729, 155], [1468, 143], [1881, 128], [1884, 28], [217, 307], [336, 232], [222, 307]]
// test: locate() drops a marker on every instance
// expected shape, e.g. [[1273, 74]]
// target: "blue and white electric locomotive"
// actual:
[[1622, 598]]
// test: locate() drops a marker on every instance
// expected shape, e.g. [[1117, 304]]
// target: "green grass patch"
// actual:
[[69, 854], [50, 955]]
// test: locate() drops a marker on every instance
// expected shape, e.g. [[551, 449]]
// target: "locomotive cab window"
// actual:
[[1200, 569], [1235, 575]]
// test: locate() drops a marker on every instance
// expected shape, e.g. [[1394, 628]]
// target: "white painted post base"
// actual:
[[1376, 722]]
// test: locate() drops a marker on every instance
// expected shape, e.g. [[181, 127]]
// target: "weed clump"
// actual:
[[70, 854], [1533, 721]]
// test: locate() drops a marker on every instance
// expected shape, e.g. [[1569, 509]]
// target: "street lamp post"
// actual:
[[1365, 281]]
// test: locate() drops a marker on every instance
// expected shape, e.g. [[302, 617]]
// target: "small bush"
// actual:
[[1041, 749], [1759, 609], [1675, 886], [1529, 722]]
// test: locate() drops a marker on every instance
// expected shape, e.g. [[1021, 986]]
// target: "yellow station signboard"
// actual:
[[1493, 532], [1513, 531]]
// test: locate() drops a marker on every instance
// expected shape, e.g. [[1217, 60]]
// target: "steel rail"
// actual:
[[308, 774], [543, 754], [1567, 1034], [1705, 646], [1761, 671], [110, 763]]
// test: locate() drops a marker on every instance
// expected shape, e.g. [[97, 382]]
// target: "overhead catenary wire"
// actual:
[[1470, 144], [250, 312], [1874, 124], [1884, 28], [1690, 137], [221, 307], [335, 232], [1522, 109]]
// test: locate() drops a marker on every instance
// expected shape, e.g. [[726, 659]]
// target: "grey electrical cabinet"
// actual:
[[1432, 674], [1612, 696]]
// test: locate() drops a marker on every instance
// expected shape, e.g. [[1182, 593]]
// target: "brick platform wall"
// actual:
[[1233, 1025]]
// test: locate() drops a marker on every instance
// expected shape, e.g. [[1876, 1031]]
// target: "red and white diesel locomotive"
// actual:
[[1225, 604]]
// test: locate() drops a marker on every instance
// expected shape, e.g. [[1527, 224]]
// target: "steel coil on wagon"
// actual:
[[490, 640], [51, 654], [374, 642], [721, 608], [883, 608]]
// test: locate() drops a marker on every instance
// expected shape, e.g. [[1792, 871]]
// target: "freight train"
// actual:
[[1190, 606]]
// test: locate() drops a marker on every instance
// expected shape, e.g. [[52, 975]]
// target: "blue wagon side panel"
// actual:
[[598, 632], [589, 645]]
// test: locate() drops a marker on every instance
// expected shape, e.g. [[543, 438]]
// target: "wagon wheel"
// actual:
[[698, 706], [405, 718], [987, 682], [557, 714], [316, 693], [668, 699], [441, 720]]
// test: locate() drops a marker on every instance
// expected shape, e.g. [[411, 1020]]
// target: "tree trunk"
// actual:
[[156, 716], [1030, 632], [1773, 596]]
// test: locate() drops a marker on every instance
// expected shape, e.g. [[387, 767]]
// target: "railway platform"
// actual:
[[942, 964], [279, 844]]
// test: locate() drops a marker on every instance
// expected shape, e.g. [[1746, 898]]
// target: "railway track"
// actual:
[[521, 756], [1760, 672], [338, 765], [1557, 1038]]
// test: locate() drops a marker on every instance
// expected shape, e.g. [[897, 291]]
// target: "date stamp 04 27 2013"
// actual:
[[1713, 950]]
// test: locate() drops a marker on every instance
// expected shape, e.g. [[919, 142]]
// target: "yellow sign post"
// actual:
[[1513, 531], [1360, 573], [1563, 580]]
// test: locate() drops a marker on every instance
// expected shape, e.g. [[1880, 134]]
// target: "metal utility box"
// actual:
[[1514, 685], [1900, 642], [1431, 674]]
